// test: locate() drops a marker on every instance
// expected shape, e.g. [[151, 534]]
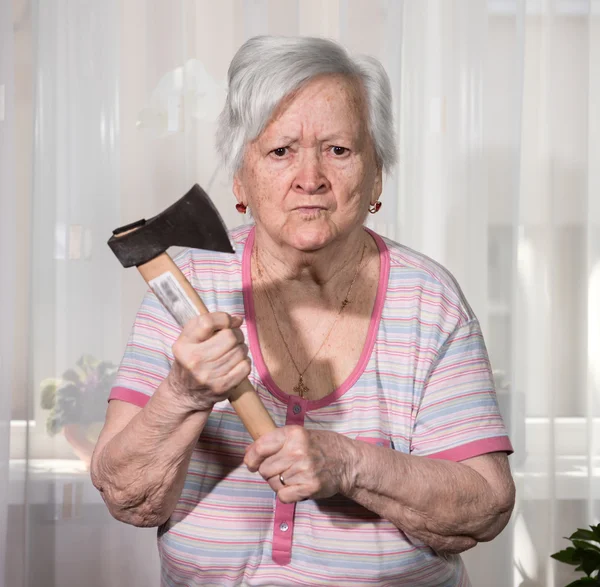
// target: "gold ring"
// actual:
[[281, 479]]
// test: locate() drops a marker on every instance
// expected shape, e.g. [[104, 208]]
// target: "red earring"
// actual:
[[375, 207], [241, 208]]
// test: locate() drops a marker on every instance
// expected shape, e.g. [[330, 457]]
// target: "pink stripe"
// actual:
[[460, 365], [143, 347], [431, 430], [407, 263], [475, 449], [460, 374], [145, 322], [155, 329], [418, 296], [140, 380], [446, 302], [384, 272], [459, 435], [129, 395], [212, 262], [443, 401], [283, 532], [216, 269]]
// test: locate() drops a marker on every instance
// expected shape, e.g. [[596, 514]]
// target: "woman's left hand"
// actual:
[[314, 464]]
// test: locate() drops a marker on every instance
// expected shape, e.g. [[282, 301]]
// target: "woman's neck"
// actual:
[[325, 269]]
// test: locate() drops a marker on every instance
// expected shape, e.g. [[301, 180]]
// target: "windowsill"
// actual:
[[568, 435], [54, 476], [60, 482], [29, 438], [563, 7], [571, 475]]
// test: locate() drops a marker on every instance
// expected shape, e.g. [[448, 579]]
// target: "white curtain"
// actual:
[[7, 263], [497, 111]]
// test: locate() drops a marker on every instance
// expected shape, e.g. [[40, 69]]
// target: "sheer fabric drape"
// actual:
[[7, 260], [498, 129]]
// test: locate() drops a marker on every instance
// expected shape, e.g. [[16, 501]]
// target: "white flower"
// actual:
[[182, 94]]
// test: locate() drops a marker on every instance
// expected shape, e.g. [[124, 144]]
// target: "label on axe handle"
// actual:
[[173, 298]]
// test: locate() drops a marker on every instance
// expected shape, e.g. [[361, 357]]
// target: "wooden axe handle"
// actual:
[[163, 276]]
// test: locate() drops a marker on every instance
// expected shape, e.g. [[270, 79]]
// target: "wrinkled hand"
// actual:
[[314, 463], [211, 359]]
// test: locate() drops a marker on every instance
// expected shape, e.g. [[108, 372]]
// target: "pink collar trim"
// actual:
[[384, 271]]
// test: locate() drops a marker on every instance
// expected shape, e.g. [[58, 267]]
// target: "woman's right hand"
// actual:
[[210, 359]]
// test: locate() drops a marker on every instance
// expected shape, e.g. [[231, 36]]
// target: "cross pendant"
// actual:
[[301, 388]]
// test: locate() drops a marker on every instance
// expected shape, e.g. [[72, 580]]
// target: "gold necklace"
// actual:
[[301, 388]]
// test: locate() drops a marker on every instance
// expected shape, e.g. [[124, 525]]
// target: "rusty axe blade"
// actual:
[[192, 221]]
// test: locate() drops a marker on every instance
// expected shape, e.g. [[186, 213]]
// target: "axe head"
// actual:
[[192, 221]]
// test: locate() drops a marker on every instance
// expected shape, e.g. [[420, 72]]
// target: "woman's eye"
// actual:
[[280, 151], [339, 150]]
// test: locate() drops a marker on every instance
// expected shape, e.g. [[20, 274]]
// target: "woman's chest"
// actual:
[[321, 351], [311, 350]]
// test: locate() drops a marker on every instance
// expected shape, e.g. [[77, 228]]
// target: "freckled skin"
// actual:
[[312, 173]]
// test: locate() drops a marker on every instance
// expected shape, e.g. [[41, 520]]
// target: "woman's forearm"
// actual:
[[140, 472], [447, 505]]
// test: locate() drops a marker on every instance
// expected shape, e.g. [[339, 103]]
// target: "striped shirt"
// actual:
[[422, 386]]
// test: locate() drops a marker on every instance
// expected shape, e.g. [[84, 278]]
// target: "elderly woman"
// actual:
[[391, 456]]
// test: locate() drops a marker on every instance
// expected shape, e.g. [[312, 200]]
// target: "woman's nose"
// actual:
[[310, 178]]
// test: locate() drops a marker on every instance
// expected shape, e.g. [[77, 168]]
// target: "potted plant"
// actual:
[[584, 554], [77, 403]]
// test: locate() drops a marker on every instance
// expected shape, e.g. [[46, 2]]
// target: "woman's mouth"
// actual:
[[309, 209]]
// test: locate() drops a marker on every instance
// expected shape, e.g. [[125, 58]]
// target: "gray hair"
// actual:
[[266, 69]]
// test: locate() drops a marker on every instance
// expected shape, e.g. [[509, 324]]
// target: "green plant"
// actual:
[[79, 396], [584, 554]]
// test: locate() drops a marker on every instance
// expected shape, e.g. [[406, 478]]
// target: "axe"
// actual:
[[194, 222]]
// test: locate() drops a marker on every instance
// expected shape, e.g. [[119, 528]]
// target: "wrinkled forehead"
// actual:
[[327, 99]]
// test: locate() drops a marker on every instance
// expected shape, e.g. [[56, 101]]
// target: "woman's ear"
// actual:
[[377, 186], [238, 190]]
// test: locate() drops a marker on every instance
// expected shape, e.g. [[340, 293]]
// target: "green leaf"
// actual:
[[584, 582], [584, 545], [590, 561], [596, 532], [49, 380], [569, 556], [53, 424], [582, 534], [83, 360], [106, 370], [87, 363], [48, 396], [73, 376]]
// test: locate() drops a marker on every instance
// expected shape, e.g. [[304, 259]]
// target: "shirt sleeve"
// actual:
[[148, 356], [458, 417]]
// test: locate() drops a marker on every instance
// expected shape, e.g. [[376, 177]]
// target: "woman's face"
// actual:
[[312, 173]]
